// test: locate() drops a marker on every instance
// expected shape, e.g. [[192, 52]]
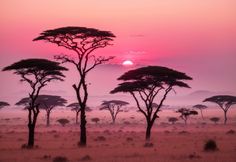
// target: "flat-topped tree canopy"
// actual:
[[200, 106], [3, 104], [76, 32], [147, 77], [75, 106], [222, 100], [35, 66], [81, 39], [115, 102], [44, 101]]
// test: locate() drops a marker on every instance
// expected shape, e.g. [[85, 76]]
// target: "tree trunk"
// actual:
[[48, 118], [113, 119], [76, 117], [148, 131], [225, 115], [83, 139], [201, 114], [31, 135], [31, 126]]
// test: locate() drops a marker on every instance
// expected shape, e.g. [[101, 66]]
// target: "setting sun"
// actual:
[[127, 63]]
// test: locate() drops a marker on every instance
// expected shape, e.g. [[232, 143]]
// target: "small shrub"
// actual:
[[129, 139], [148, 144], [100, 138], [86, 158], [172, 120], [210, 145], [230, 132], [63, 121], [60, 159]]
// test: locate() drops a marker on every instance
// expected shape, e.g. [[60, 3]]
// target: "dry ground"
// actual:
[[119, 143]]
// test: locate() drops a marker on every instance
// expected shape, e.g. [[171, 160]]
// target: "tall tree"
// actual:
[[114, 107], [45, 102], [185, 113], [37, 73], [76, 107], [148, 83], [3, 104], [224, 102], [201, 108], [82, 41]]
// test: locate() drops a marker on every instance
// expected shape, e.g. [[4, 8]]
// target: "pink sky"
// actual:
[[196, 37]]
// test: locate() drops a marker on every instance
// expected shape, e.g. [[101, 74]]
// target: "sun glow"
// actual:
[[127, 63]]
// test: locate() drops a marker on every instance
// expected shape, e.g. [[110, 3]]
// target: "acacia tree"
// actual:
[[224, 102], [37, 73], [185, 113], [200, 107], [3, 104], [148, 83], [46, 102], [114, 107], [82, 41], [76, 107]]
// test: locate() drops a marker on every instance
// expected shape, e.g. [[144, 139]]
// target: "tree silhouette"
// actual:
[[95, 120], [215, 119], [145, 83], [224, 102], [200, 107], [114, 107], [63, 121], [173, 120], [185, 113], [3, 104], [45, 102], [83, 41], [76, 107], [37, 73]]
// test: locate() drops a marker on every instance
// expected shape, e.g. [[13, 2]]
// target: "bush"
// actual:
[[60, 159], [210, 145]]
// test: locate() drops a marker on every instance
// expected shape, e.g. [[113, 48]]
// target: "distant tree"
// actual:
[[147, 83], [37, 73], [95, 120], [46, 102], [63, 121], [76, 107], [3, 104], [200, 107], [215, 119], [224, 101], [114, 107], [173, 120], [83, 42], [185, 113]]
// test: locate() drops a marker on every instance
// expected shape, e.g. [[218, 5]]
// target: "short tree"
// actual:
[[95, 120], [146, 84], [215, 119], [46, 102], [114, 107], [83, 42], [185, 113], [224, 102], [172, 120], [63, 121], [201, 108], [37, 73], [76, 107], [3, 104]]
